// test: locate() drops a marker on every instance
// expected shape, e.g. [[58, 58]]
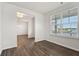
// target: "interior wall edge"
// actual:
[[0, 51]]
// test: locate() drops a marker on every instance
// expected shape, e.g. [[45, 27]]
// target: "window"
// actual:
[[65, 22], [53, 23], [56, 22], [69, 22], [73, 22]]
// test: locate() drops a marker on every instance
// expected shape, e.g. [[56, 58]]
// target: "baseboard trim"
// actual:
[[11, 46], [23, 34], [37, 40], [31, 38], [68, 47]]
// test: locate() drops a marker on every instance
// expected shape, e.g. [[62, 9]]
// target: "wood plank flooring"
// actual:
[[27, 47]]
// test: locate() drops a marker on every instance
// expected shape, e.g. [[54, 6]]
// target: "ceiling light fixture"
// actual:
[[20, 15]]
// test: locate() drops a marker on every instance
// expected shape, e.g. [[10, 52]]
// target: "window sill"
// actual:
[[65, 36]]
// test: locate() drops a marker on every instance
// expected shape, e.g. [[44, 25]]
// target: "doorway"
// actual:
[[25, 30]]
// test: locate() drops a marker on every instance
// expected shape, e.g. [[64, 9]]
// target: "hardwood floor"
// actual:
[[27, 47]]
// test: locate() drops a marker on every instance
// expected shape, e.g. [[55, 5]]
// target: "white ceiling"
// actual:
[[41, 7], [23, 18]]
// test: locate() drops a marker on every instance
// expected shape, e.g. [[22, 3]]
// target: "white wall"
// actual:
[[0, 27], [8, 25], [31, 28], [9, 38], [70, 43], [22, 28], [39, 28]]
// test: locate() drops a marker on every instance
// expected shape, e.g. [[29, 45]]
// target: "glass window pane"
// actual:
[[74, 25], [53, 21], [66, 25], [58, 28], [65, 21], [73, 19], [70, 21], [58, 22], [73, 30], [66, 30], [53, 24]]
